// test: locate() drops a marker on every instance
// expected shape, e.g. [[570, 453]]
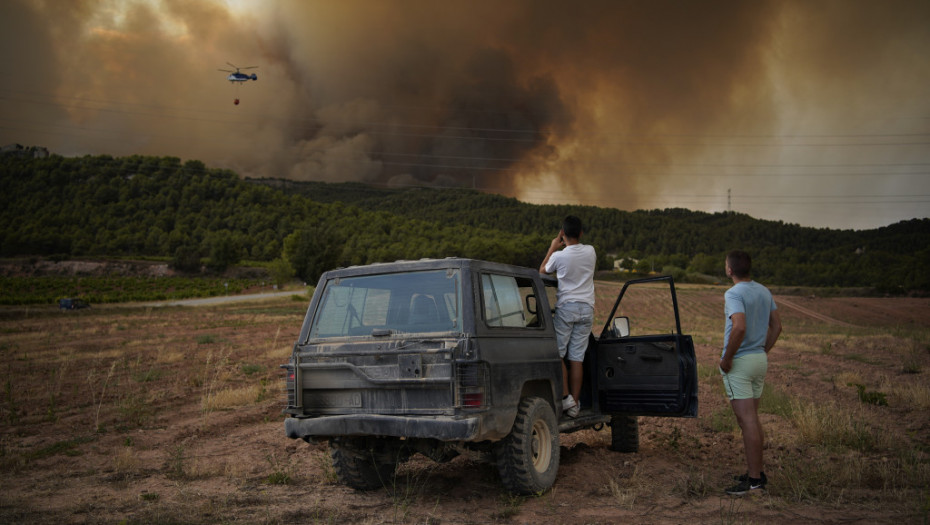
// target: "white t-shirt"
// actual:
[[574, 267]]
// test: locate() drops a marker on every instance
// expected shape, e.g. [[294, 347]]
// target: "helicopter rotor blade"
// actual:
[[226, 70]]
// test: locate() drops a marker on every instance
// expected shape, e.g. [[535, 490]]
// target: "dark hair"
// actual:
[[740, 263], [572, 227]]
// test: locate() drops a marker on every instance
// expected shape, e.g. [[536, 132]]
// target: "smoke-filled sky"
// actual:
[[809, 112]]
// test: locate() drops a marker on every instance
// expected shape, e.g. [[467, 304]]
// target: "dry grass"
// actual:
[[232, 397], [127, 462], [835, 428], [911, 394], [625, 491], [844, 379], [168, 355]]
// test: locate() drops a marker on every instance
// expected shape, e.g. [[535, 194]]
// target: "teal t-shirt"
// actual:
[[756, 302]]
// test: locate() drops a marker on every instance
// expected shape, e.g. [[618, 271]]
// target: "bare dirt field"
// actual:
[[172, 415]]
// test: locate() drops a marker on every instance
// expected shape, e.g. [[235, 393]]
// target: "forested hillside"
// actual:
[[159, 206], [892, 258]]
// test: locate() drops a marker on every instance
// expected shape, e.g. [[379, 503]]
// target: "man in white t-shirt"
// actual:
[[574, 306]]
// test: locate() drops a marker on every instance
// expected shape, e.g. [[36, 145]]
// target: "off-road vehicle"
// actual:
[[440, 356], [72, 304]]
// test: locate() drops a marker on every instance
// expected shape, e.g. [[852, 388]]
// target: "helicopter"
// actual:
[[238, 77]]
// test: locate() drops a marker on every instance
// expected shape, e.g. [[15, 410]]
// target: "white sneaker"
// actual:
[[572, 412], [569, 406]]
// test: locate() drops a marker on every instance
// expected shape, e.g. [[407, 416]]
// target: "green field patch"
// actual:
[[114, 289], [67, 448]]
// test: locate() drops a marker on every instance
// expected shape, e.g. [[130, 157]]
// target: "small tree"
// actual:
[[186, 258], [678, 274], [224, 252], [707, 264], [643, 266], [281, 271], [313, 251]]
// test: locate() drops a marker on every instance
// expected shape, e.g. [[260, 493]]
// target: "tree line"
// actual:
[[198, 216]]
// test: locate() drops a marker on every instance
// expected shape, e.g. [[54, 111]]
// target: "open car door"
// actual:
[[645, 365]]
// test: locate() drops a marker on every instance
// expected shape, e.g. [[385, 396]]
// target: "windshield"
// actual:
[[427, 301]]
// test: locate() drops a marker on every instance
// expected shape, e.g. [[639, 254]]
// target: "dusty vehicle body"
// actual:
[[437, 356]]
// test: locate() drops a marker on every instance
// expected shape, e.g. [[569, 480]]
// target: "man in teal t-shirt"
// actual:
[[753, 324]]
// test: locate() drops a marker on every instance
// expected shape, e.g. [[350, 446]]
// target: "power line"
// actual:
[[614, 167]]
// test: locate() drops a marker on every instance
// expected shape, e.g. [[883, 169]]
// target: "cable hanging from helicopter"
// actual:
[[238, 77]]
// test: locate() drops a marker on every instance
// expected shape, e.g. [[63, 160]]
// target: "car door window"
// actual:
[[510, 302]]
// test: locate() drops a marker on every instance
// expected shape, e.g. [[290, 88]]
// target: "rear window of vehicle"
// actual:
[[409, 302]]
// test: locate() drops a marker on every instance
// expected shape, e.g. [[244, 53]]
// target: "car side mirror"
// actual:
[[621, 326]]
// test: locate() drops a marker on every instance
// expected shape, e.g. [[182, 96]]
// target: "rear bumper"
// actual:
[[437, 427]]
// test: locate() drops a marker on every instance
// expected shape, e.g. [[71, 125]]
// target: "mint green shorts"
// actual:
[[747, 377]]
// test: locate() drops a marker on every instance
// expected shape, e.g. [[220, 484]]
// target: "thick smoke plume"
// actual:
[[613, 103]]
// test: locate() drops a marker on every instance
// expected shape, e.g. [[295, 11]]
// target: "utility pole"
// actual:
[[729, 207]]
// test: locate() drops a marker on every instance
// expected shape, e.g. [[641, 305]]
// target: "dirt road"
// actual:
[[784, 301]]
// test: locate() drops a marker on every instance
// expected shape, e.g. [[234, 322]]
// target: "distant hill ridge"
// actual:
[[159, 206]]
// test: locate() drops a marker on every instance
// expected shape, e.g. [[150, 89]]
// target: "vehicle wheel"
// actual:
[[528, 458], [364, 464], [624, 434]]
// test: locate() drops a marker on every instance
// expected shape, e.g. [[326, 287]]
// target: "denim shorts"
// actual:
[[747, 377], [572, 327]]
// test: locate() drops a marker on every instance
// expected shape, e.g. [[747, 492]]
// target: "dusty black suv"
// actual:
[[439, 356]]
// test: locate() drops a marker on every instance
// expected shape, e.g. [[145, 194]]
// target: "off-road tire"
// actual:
[[363, 463], [624, 434], [528, 458]]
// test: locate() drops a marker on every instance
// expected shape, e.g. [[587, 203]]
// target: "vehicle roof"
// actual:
[[431, 264]]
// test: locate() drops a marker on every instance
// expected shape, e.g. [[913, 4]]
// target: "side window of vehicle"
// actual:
[[509, 301], [649, 310]]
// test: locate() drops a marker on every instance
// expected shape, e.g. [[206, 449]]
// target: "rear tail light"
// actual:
[[289, 385], [473, 400], [472, 385]]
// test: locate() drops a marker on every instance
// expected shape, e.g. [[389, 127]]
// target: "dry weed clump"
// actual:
[[206, 468], [910, 394], [625, 492], [127, 462], [804, 345], [168, 355], [834, 427], [854, 478], [232, 397], [881, 344], [216, 371], [842, 380], [693, 484]]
